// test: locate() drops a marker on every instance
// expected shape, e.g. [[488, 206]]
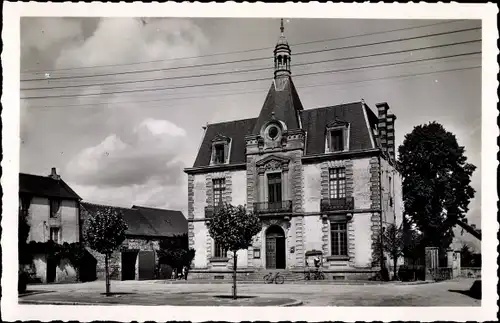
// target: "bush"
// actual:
[[384, 274], [405, 274]]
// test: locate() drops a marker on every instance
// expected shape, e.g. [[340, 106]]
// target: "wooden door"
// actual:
[[147, 264], [271, 253]]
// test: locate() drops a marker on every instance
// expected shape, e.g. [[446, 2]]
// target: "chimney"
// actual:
[[386, 130], [473, 226], [53, 174], [382, 125], [391, 149]]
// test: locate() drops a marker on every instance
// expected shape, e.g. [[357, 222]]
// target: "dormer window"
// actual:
[[219, 154], [337, 140], [220, 150], [337, 136]]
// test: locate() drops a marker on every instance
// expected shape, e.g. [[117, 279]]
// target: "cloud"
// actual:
[[148, 154], [126, 40]]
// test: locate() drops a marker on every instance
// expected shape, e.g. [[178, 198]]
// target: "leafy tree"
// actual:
[[436, 182], [104, 232], [175, 252], [393, 244], [233, 227]]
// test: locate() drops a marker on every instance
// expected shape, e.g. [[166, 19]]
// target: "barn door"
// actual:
[[147, 265]]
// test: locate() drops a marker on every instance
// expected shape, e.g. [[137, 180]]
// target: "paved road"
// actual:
[[449, 293]]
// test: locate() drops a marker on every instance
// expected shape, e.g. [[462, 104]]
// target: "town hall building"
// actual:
[[323, 181]]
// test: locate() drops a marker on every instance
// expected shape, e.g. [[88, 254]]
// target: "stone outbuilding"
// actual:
[[137, 258]]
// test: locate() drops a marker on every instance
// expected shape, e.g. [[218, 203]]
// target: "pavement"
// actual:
[[447, 293]]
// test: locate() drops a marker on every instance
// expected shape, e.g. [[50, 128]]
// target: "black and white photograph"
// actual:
[[249, 157]]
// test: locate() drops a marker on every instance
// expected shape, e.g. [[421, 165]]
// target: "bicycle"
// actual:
[[277, 278], [315, 275]]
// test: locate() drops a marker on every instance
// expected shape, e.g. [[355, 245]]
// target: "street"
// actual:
[[448, 293]]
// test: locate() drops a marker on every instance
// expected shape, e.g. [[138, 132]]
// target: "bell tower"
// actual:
[[282, 55]]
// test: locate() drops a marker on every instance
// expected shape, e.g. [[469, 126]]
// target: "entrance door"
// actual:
[[51, 270], [128, 265], [275, 248]]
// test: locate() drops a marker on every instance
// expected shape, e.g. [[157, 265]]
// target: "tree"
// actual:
[[436, 182], [393, 244], [175, 252], [23, 234], [104, 232], [233, 228]]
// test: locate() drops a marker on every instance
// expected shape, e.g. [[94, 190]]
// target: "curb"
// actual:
[[38, 302], [292, 304]]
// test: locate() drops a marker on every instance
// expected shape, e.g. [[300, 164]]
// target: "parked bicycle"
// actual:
[[276, 278], [314, 275]]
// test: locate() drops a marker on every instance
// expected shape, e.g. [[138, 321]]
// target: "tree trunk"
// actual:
[[395, 264], [235, 265], [106, 265]]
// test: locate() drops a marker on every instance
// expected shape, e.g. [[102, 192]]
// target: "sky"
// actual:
[[130, 146]]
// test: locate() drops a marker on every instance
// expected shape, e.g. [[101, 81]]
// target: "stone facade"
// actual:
[[317, 178], [306, 229]]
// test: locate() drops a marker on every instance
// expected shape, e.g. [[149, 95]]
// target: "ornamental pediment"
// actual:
[[273, 159], [221, 138], [337, 123], [272, 163]]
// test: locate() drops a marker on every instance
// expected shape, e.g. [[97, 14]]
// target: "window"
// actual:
[[339, 239], [219, 187], [55, 206], [54, 234], [390, 191], [219, 252], [274, 188], [336, 183], [337, 140], [219, 157], [273, 132]]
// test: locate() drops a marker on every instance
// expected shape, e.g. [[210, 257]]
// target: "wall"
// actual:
[[362, 223], [200, 244], [200, 195], [39, 212], [69, 221], [362, 192]]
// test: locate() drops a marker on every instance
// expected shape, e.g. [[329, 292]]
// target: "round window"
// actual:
[[273, 132]]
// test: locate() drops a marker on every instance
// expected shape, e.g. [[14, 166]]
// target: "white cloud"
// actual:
[[148, 153], [161, 127], [126, 40]]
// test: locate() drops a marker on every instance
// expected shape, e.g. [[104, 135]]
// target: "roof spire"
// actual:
[[282, 54]]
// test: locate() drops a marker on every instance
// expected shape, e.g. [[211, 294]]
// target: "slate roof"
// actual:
[[236, 130], [147, 222], [283, 100], [314, 122], [44, 186]]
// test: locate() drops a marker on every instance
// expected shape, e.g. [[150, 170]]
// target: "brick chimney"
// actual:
[[54, 175], [386, 130], [391, 149]]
